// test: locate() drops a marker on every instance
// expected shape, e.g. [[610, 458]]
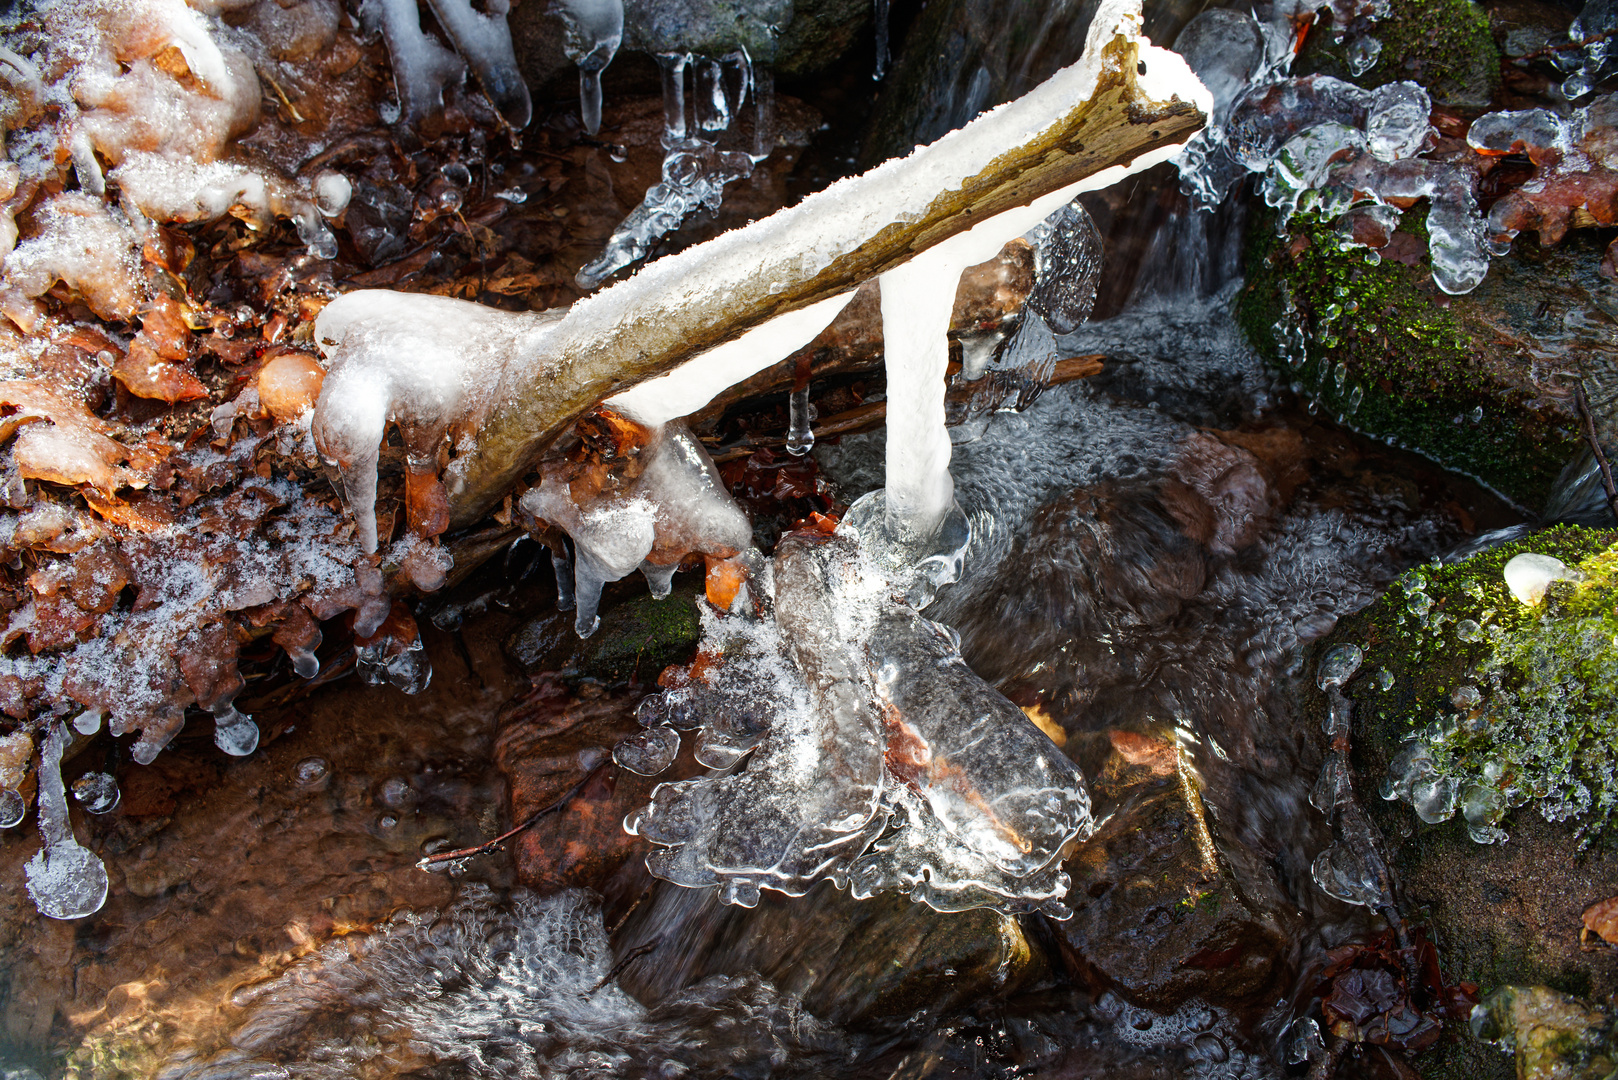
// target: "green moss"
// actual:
[[1536, 718], [1445, 45], [1385, 353]]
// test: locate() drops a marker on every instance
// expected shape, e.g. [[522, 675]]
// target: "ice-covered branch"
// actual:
[[1125, 106]]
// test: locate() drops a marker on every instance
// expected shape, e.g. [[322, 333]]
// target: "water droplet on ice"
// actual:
[[12, 808], [1339, 665], [311, 770], [97, 792]]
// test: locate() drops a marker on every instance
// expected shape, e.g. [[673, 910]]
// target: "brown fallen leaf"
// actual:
[[1601, 919], [146, 374]]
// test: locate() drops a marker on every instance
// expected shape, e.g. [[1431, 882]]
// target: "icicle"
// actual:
[[65, 880], [593, 30], [564, 582], [421, 66], [484, 39], [881, 39], [672, 66], [800, 435], [709, 107], [763, 112], [917, 299]]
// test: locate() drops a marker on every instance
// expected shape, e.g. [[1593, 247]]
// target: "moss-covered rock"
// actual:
[[1541, 708], [1445, 45], [1552, 1036], [638, 638], [1382, 348]]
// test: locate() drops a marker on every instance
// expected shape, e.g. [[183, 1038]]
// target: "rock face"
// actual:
[[1159, 913], [1501, 913], [795, 37], [853, 961]]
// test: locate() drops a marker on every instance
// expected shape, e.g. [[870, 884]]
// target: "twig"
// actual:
[[1326, 1067], [634, 954], [491, 846], [1565, 45], [1583, 405]]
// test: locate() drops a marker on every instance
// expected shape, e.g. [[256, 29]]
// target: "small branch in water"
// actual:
[[629, 958], [1583, 404], [491, 846], [1326, 1067]]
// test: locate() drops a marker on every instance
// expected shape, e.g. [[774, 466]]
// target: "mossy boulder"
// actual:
[[1452, 378], [1445, 45], [1508, 912], [638, 638], [1552, 1036]]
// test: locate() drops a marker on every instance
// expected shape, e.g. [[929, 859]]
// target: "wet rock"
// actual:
[[1446, 46], [1159, 913], [1552, 1036], [555, 749], [1466, 381], [1503, 912], [639, 637], [964, 57], [853, 961]]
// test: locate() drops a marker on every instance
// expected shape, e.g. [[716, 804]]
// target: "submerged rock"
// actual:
[[852, 961], [1552, 1036], [1159, 913]]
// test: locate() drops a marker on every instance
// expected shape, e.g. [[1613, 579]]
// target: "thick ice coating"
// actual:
[[430, 364], [873, 756], [643, 504]]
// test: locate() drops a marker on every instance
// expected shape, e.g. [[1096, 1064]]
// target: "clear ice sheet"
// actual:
[[872, 755], [65, 880]]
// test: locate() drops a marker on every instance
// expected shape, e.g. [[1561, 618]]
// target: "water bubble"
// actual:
[[457, 173], [1383, 680], [311, 770], [1339, 665], [12, 808], [387, 821], [1419, 604], [649, 751], [97, 792], [1482, 804], [1477, 415], [396, 793], [1468, 630], [1355, 397], [1466, 697]]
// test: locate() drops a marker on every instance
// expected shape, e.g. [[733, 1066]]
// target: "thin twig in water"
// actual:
[[1583, 404], [1326, 1067], [492, 846], [629, 958]]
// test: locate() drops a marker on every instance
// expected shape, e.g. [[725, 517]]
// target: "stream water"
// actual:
[[1150, 555]]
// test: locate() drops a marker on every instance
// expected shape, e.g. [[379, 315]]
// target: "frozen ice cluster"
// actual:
[[147, 99], [848, 740], [1591, 37], [705, 147], [1361, 157], [423, 68]]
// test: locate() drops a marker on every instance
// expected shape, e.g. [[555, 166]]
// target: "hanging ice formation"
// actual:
[[593, 31], [1326, 145], [423, 68], [65, 880], [644, 503], [695, 168], [849, 740]]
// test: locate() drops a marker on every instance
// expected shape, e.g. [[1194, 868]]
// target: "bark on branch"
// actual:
[[1122, 101]]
